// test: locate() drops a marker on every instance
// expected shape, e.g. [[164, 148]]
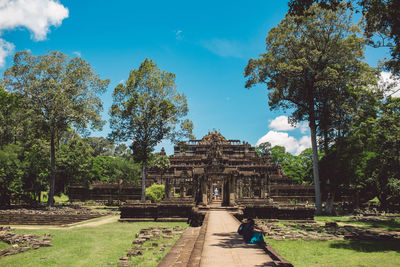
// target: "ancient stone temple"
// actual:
[[215, 168], [218, 173]]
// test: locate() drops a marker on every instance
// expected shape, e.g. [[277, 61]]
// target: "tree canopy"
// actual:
[[311, 60], [381, 22], [147, 109], [62, 92]]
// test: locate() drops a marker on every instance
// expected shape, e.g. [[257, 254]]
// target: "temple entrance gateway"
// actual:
[[215, 169]]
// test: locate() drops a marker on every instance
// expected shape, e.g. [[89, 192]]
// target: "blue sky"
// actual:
[[207, 44]]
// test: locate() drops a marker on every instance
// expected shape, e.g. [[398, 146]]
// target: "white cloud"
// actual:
[[6, 48], [303, 128], [281, 123], [304, 143], [290, 143], [77, 53], [391, 83], [35, 15], [224, 48], [179, 35]]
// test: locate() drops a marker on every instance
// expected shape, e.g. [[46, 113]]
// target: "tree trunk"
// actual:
[[329, 190], [318, 204], [329, 202], [143, 182], [50, 201]]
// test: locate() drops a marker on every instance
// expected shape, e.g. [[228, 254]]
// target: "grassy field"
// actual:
[[61, 199], [342, 253], [389, 224], [88, 246], [339, 253]]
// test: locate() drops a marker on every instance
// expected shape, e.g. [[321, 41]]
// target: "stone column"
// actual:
[[204, 191], [262, 189], [232, 191], [167, 193], [221, 194], [184, 190], [240, 188]]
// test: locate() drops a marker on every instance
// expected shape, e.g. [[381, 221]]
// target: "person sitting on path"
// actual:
[[251, 233]]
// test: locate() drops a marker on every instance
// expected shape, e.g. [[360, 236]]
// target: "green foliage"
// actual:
[[74, 162], [263, 149], [36, 167], [385, 167], [155, 192], [112, 170], [148, 105], [101, 146], [11, 173], [62, 92], [160, 162], [9, 108], [147, 109], [298, 168], [380, 22], [126, 170], [58, 198], [102, 169], [122, 150], [311, 66]]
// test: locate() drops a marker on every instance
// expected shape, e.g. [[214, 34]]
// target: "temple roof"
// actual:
[[214, 136]]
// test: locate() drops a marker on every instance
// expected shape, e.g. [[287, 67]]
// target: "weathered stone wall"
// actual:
[[104, 192], [42, 217], [156, 211], [164, 211], [282, 212]]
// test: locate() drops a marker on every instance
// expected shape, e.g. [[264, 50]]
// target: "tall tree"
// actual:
[[308, 58], [147, 109], [381, 27], [386, 165], [62, 91]]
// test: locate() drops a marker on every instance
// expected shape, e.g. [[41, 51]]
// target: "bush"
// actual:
[[155, 192]]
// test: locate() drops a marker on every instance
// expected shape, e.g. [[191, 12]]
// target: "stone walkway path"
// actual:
[[223, 246], [179, 255]]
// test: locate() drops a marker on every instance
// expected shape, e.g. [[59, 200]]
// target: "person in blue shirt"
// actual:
[[251, 233]]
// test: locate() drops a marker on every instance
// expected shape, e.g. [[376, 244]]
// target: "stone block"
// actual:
[[139, 241]]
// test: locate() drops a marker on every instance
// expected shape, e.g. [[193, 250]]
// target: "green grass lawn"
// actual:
[[61, 199], [339, 253], [88, 246], [389, 224]]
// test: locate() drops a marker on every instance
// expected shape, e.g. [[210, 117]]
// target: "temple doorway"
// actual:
[[217, 192]]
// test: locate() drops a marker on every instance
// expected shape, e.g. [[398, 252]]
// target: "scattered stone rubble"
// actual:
[[21, 242], [47, 216], [374, 217], [147, 239], [62, 210], [329, 231]]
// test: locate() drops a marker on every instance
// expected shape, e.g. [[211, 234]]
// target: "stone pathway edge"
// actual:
[[195, 256]]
